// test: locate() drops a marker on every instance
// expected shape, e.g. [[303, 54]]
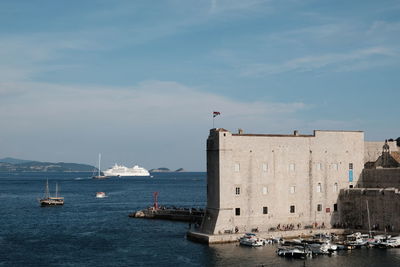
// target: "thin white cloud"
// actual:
[[219, 6], [332, 61]]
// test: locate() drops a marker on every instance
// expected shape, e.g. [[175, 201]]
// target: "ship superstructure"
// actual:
[[123, 171]]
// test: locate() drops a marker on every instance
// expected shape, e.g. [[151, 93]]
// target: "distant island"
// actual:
[[163, 169], [20, 165]]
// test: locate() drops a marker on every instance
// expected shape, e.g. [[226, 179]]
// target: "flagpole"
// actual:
[[213, 120]]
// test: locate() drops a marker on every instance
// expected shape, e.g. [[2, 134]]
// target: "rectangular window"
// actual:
[[319, 188], [237, 211], [237, 190], [265, 190], [237, 167], [350, 166], [292, 167], [293, 189], [319, 207], [335, 207], [265, 210], [335, 187], [265, 167], [292, 209], [319, 166]]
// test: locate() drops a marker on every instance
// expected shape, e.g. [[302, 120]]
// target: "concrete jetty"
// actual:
[[191, 215], [234, 237]]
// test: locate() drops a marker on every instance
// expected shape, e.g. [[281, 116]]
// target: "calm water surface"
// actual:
[[98, 232]]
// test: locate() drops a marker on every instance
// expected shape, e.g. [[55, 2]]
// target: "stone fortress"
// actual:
[[264, 183]]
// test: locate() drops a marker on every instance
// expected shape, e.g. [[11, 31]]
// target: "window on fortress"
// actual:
[[237, 211], [265, 210], [319, 207], [350, 166], [292, 209], [319, 188], [237, 191], [292, 167], [293, 189], [335, 187], [335, 207], [319, 166], [265, 167], [265, 190], [237, 167]]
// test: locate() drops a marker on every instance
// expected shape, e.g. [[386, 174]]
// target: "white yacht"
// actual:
[[122, 171], [251, 240]]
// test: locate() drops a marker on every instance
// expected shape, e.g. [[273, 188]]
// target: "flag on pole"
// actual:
[[216, 113]]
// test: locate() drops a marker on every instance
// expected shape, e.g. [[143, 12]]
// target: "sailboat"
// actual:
[[99, 176], [49, 200]]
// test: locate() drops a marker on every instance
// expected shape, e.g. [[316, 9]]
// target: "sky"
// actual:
[[137, 81]]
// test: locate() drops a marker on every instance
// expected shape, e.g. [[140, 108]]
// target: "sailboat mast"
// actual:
[[56, 189], [99, 163], [46, 192], [369, 220]]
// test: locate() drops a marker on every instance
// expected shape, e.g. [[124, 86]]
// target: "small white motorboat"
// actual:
[[100, 195], [251, 240]]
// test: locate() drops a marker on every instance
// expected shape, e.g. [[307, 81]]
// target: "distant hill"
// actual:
[[17, 165], [14, 161], [163, 169]]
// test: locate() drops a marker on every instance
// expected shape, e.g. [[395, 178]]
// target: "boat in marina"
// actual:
[[100, 195], [357, 240], [298, 252], [48, 200], [393, 242], [122, 171], [251, 240]]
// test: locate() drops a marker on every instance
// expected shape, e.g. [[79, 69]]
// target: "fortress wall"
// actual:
[[380, 178], [384, 208], [274, 172]]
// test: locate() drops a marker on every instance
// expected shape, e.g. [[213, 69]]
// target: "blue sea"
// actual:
[[87, 231]]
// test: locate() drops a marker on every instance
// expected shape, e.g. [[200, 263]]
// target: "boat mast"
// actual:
[[369, 221], [99, 164], [46, 192], [56, 189]]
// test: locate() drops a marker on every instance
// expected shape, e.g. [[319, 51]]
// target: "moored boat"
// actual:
[[393, 242], [251, 240], [294, 252]]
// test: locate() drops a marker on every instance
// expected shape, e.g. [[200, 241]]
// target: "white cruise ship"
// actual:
[[122, 171]]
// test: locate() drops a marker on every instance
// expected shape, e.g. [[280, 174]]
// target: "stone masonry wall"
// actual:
[[383, 204], [380, 178]]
